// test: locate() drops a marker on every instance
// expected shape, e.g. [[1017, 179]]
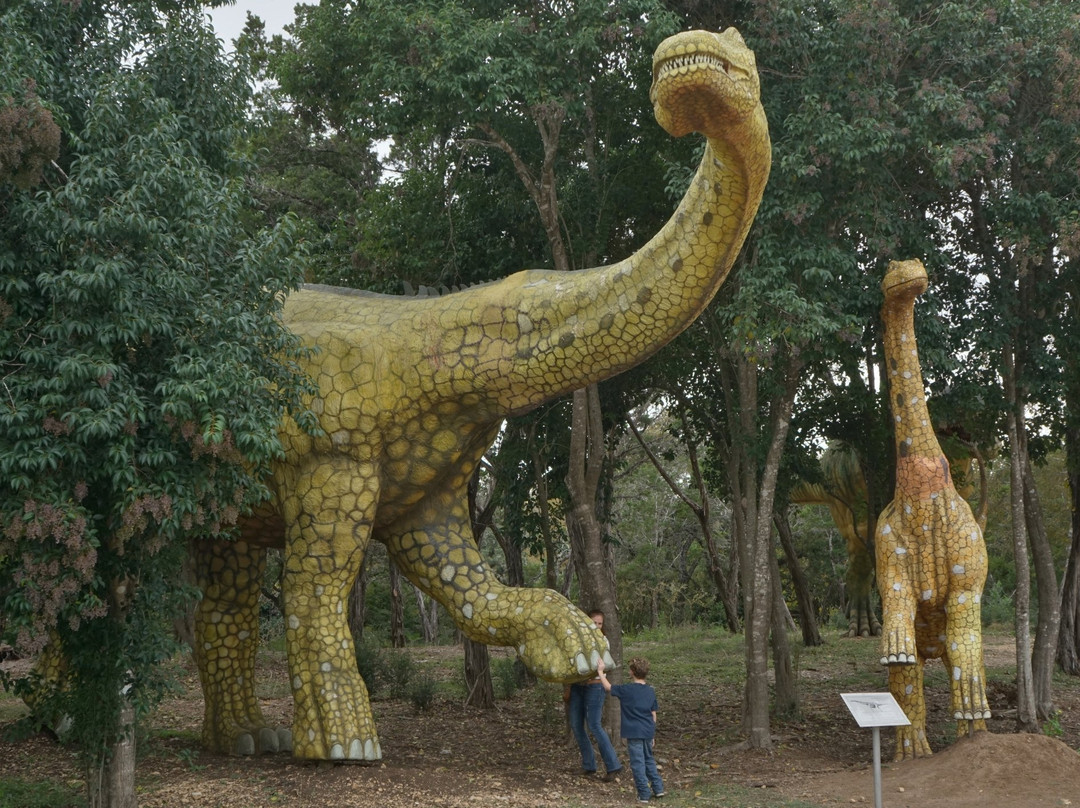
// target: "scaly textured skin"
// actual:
[[411, 392], [931, 559]]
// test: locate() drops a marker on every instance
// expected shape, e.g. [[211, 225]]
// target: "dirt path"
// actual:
[[520, 754]]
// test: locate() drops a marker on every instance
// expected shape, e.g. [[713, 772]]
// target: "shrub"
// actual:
[[997, 606], [507, 677], [422, 692], [397, 669], [370, 663]]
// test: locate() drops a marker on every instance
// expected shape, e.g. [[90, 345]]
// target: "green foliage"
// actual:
[[1052, 726], [997, 605], [145, 368], [508, 677], [370, 662]]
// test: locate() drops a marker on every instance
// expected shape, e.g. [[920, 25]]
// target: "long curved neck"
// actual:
[[921, 466], [582, 327], [907, 396]]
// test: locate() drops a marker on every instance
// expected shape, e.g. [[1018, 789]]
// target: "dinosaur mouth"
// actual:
[[904, 278], [695, 62], [704, 82]]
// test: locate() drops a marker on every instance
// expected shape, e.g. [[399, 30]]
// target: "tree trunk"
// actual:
[[397, 609], [539, 464], [753, 497], [480, 690], [110, 780], [1049, 622], [358, 604], [785, 690], [1069, 631], [805, 599], [1025, 690], [429, 616], [595, 564]]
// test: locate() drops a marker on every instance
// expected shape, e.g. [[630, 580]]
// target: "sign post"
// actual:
[[875, 710]]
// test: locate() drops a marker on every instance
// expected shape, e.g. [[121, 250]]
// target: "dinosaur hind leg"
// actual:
[[963, 659], [226, 639], [906, 685]]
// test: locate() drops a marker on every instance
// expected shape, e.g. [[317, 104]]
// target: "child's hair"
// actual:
[[639, 667]]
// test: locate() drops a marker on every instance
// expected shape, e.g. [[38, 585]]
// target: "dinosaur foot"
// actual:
[[354, 751], [899, 659], [558, 642], [266, 740], [968, 694], [911, 743], [898, 648], [248, 738]]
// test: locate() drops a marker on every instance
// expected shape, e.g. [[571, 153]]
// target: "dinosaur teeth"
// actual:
[[694, 60]]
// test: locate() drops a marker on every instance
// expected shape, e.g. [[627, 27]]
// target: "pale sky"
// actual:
[[229, 20]]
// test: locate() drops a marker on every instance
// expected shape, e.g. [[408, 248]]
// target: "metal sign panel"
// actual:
[[875, 709]]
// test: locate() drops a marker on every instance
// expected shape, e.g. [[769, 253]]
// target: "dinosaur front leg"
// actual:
[[898, 597], [555, 640], [328, 513], [226, 639]]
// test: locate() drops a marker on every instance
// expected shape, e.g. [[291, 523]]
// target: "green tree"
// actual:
[[144, 367]]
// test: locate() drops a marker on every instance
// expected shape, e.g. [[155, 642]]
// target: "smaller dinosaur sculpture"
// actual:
[[844, 493], [931, 558]]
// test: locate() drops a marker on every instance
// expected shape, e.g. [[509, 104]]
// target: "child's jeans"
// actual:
[[643, 765]]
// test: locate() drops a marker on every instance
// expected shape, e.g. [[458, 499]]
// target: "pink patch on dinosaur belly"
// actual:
[[920, 477]]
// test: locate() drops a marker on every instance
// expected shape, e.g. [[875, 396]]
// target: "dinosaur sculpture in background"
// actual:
[[931, 558], [411, 393], [844, 493]]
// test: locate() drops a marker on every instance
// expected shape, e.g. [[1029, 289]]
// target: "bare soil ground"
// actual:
[[520, 754]]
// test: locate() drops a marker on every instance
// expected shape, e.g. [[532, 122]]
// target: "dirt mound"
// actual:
[[989, 769]]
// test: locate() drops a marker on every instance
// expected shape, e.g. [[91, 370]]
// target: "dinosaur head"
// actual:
[[904, 280], [704, 82]]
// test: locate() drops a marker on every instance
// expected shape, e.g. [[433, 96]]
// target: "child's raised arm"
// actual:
[[600, 672]]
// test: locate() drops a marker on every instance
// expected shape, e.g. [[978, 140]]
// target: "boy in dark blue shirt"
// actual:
[[637, 701]]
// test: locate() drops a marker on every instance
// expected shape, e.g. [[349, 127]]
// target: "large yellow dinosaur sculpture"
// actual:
[[931, 558], [411, 392]]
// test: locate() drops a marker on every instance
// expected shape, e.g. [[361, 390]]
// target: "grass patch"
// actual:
[[18, 793], [689, 653], [12, 709], [720, 796], [193, 736]]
